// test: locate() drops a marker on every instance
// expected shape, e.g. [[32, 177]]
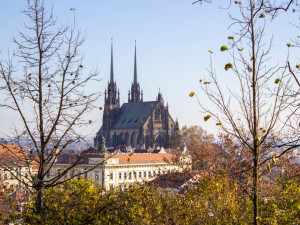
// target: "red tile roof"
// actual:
[[141, 158], [14, 154]]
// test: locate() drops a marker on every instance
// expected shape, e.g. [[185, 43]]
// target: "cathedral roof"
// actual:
[[132, 113]]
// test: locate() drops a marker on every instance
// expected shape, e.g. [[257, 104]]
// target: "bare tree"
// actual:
[[43, 81], [253, 113]]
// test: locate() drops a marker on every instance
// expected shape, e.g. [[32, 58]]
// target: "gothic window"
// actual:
[[120, 139], [132, 141], [127, 139], [160, 140], [157, 114]]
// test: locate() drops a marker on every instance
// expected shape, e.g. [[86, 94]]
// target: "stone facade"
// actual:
[[137, 124], [118, 170]]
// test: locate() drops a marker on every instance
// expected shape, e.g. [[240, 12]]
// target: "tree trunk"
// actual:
[[255, 121], [255, 189], [39, 202]]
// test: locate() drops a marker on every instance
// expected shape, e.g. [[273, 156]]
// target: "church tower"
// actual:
[[111, 101], [136, 95]]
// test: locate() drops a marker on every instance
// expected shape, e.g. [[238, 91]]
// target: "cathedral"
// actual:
[[138, 124]]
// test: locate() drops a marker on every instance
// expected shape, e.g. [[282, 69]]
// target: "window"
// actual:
[[154, 173], [111, 186], [130, 174], [134, 174], [26, 175], [145, 174], [85, 176], [125, 175], [140, 174], [111, 176], [48, 174], [120, 175], [96, 178], [5, 176], [11, 176], [150, 174]]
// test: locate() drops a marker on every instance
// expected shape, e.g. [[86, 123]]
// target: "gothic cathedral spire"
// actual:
[[112, 100], [135, 69], [111, 64], [136, 95]]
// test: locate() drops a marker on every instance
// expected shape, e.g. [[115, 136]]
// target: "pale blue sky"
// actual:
[[173, 39]]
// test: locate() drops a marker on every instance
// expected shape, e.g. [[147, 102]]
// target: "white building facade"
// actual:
[[119, 170]]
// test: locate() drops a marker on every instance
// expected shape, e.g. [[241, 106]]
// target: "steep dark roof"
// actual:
[[130, 114]]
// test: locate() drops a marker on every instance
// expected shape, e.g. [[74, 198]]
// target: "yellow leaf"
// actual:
[[277, 81], [237, 2], [289, 44], [268, 167], [262, 15], [207, 117], [257, 138], [263, 130], [228, 66], [219, 124], [224, 48], [29, 74], [230, 37], [15, 89], [241, 49], [298, 66], [207, 82], [192, 94], [202, 79], [210, 51], [251, 58], [273, 159]]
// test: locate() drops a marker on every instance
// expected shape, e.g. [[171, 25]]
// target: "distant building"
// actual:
[[16, 166], [137, 124], [118, 169]]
